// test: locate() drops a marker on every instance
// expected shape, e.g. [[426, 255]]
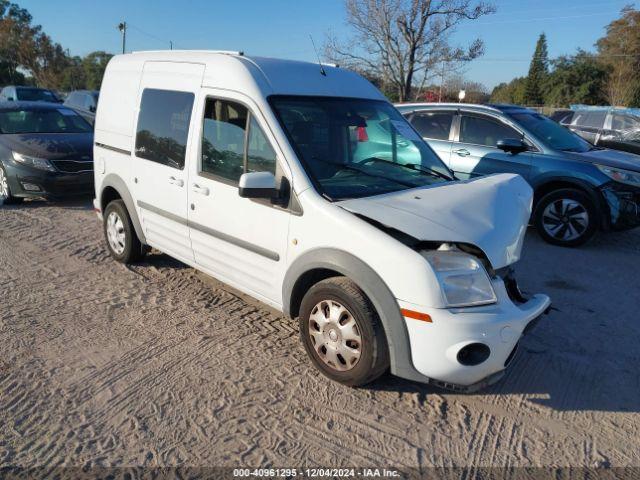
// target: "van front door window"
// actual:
[[233, 142]]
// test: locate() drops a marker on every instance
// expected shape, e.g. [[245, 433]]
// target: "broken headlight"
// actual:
[[463, 279], [621, 175]]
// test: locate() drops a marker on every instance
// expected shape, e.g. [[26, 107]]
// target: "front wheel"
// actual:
[[122, 241], [6, 196], [342, 332], [566, 217]]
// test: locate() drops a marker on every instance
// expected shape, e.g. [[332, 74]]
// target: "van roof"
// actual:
[[261, 75]]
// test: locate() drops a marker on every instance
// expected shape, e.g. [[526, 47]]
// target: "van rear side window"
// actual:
[[163, 126]]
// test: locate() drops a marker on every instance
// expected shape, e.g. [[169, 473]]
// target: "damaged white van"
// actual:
[[302, 186]]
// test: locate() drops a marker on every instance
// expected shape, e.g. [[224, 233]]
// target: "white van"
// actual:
[[301, 185]]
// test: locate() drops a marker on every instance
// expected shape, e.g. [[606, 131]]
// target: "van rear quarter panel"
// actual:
[[118, 102], [115, 119]]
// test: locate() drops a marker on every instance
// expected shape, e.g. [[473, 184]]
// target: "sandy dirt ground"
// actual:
[[157, 364]]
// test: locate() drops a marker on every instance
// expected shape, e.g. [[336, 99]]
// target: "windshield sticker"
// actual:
[[405, 130], [67, 112]]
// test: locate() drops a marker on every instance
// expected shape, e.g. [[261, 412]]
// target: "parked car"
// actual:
[[28, 94], [562, 116], [614, 128], [85, 102], [579, 189], [45, 151], [296, 184]]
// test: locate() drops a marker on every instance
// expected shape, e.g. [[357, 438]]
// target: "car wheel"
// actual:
[[6, 197], [566, 217], [342, 332], [122, 241]]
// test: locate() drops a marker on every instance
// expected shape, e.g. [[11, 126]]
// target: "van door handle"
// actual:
[[462, 152], [176, 181], [201, 190]]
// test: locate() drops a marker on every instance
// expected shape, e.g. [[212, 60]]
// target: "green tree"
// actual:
[[578, 78], [16, 35], [512, 92], [24, 46], [538, 71], [619, 49], [93, 66], [73, 77]]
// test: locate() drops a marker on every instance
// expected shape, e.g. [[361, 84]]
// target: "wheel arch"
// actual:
[[113, 188], [557, 183], [319, 264]]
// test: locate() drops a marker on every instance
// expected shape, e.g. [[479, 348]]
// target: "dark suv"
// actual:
[[579, 188], [614, 128], [28, 94], [85, 102]]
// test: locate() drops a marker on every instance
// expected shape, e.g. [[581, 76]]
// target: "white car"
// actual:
[[301, 185]]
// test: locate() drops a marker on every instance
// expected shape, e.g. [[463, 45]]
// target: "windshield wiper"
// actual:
[[364, 172], [416, 167]]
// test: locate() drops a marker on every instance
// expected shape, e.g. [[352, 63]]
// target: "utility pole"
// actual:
[[441, 81], [122, 26]]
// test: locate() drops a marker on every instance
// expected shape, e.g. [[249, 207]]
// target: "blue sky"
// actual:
[[281, 28]]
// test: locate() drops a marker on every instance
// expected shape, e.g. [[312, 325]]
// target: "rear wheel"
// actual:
[[122, 241], [6, 197], [342, 333], [566, 217]]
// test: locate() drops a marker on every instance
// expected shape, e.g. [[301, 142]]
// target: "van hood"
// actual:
[[491, 213]]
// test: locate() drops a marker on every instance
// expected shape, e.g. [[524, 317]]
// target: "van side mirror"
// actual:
[[258, 185], [512, 145]]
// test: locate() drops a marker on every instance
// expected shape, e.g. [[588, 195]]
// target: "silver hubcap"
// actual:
[[115, 233], [4, 186], [335, 335], [565, 219]]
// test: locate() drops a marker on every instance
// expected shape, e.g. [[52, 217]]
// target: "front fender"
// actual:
[[376, 290]]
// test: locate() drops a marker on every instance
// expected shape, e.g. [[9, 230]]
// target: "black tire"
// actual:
[[568, 207], [373, 360], [7, 197], [133, 250]]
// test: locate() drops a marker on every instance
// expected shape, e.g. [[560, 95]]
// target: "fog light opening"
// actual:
[[30, 187], [473, 354]]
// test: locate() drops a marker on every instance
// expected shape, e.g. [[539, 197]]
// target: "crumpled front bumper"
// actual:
[[435, 345], [623, 202]]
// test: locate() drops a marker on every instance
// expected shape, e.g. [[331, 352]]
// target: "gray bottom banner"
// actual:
[[195, 473]]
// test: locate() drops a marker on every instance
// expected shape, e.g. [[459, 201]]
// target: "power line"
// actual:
[[528, 59], [163, 40], [557, 9], [528, 20]]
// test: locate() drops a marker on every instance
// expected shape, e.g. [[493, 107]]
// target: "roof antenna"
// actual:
[[322, 72]]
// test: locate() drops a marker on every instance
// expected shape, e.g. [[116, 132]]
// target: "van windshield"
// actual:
[[355, 148]]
